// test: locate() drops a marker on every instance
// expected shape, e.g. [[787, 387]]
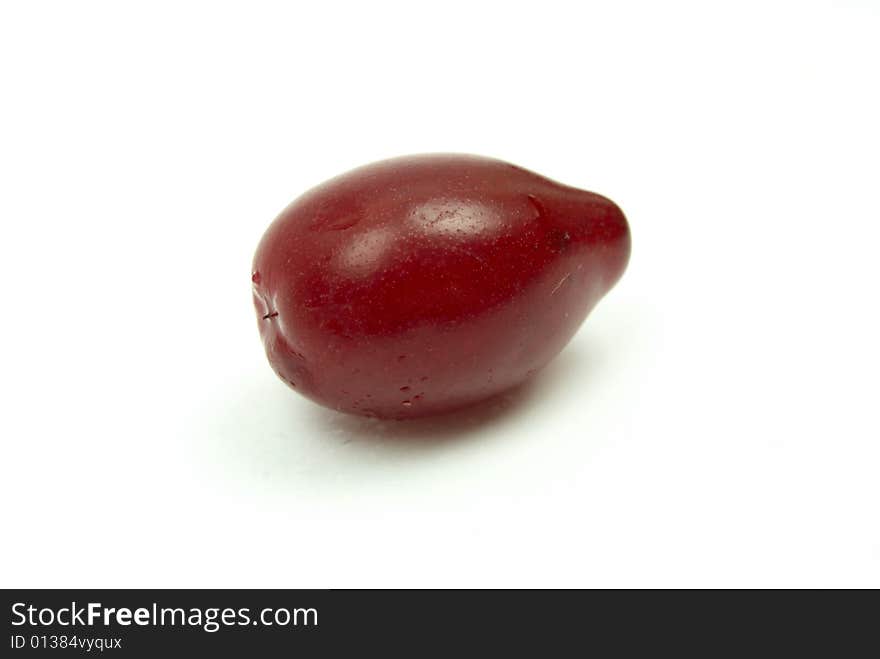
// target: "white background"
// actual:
[[714, 423]]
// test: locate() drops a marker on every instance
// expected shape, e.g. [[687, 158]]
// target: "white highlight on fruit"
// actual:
[[455, 218], [365, 251]]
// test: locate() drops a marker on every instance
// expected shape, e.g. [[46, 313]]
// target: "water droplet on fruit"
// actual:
[[406, 403], [404, 388]]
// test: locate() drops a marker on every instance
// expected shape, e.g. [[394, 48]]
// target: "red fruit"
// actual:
[[421, 284]]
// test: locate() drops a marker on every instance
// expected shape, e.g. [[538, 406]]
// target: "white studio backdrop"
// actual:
[[713, 423]]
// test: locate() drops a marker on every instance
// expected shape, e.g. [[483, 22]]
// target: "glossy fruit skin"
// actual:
[[422, 284]]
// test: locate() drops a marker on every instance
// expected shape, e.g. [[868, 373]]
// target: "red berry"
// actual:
[[422, 284]]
